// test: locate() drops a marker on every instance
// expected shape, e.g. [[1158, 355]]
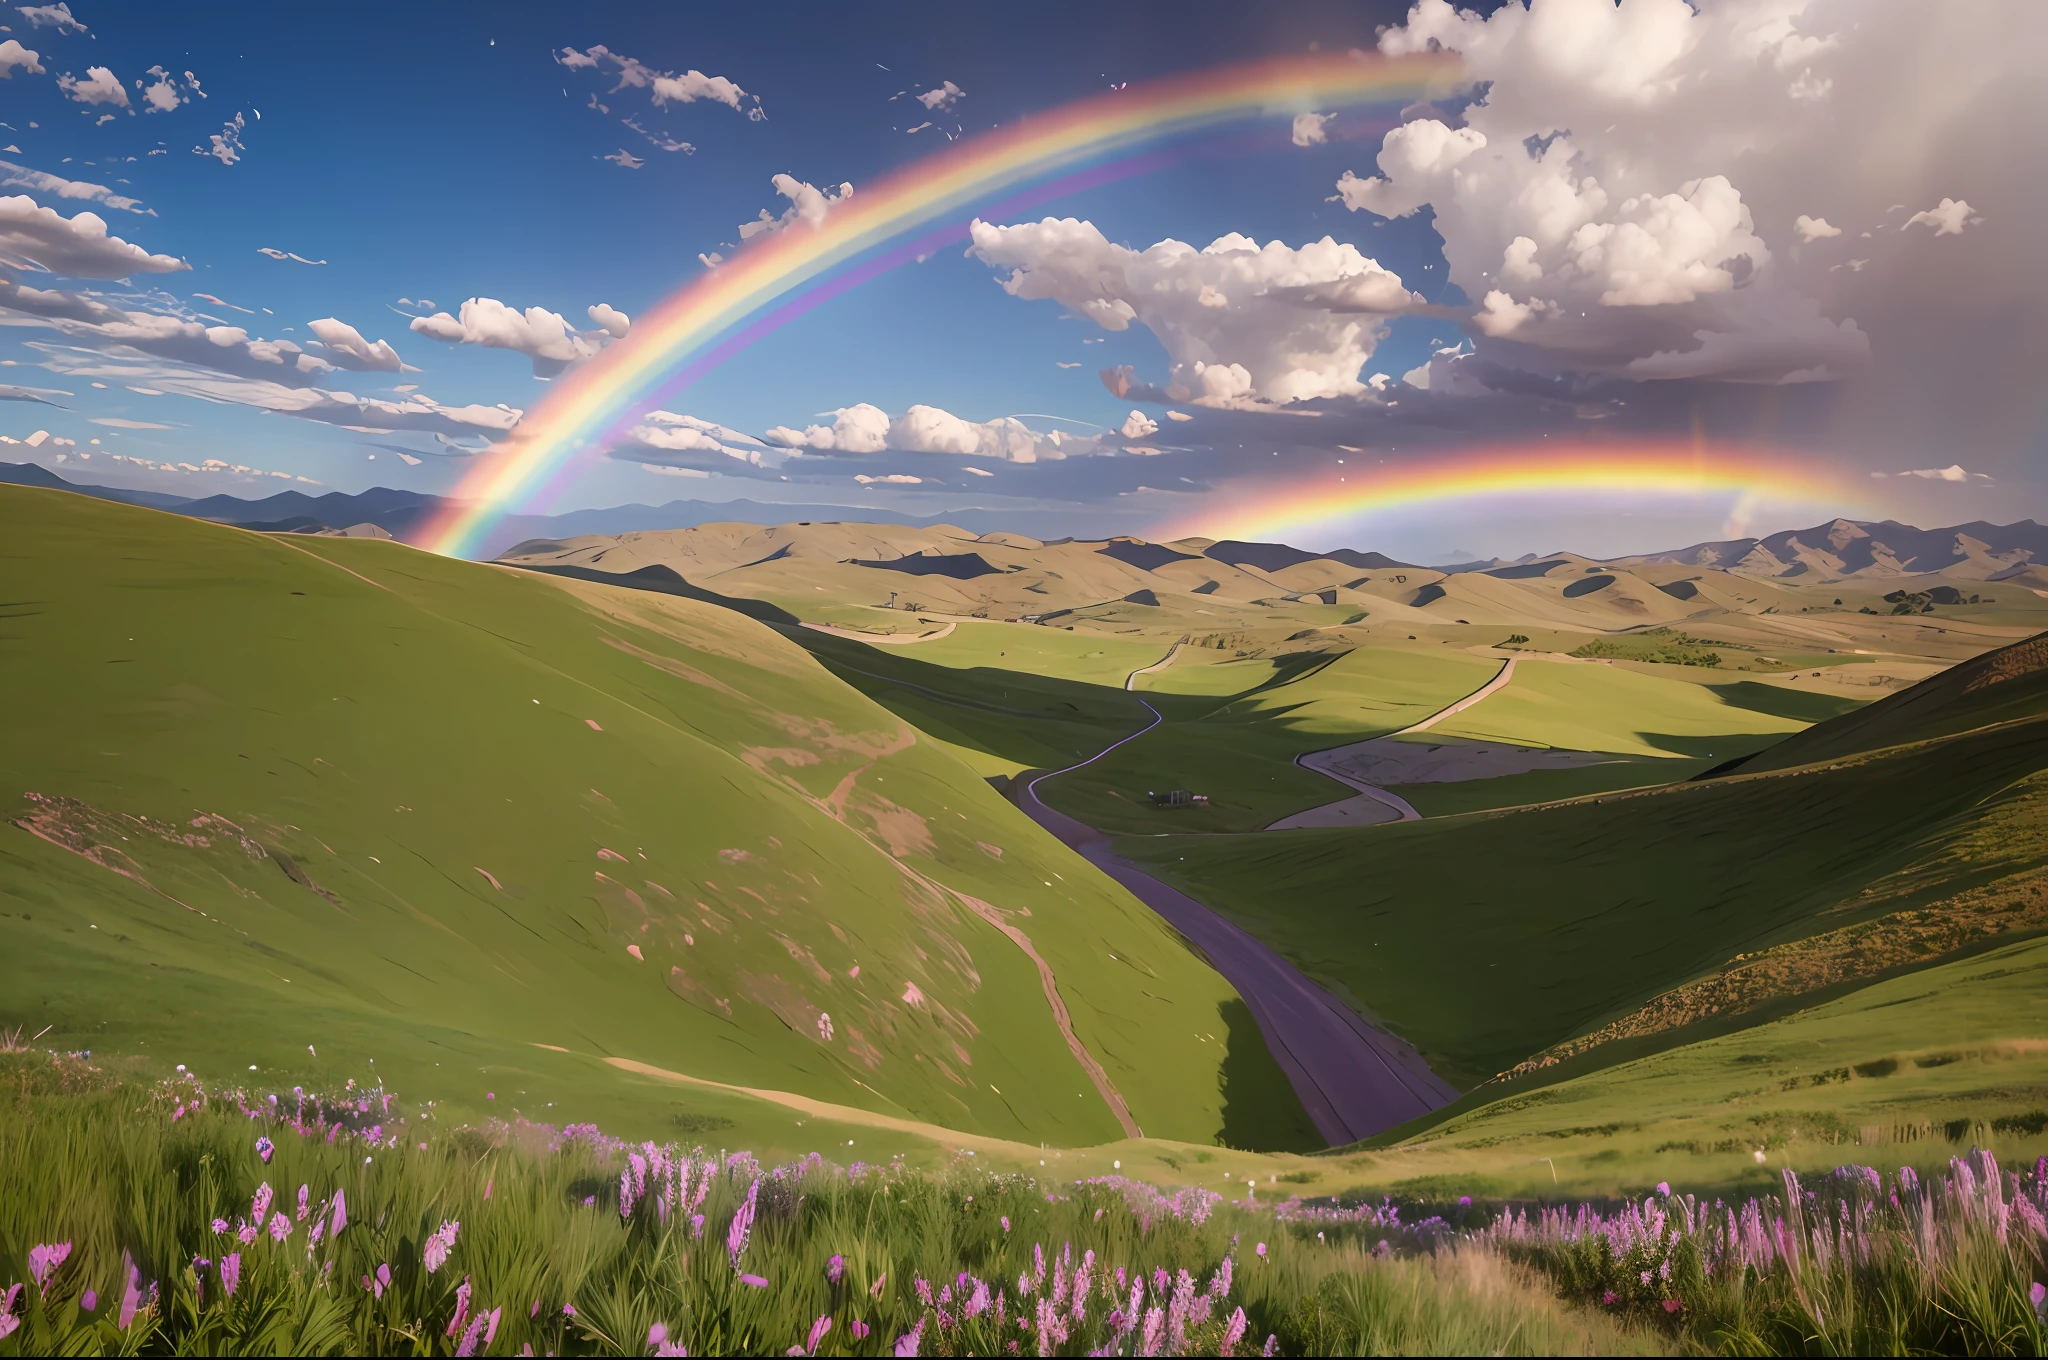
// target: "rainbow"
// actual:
[[1342, 497], [693, 329]]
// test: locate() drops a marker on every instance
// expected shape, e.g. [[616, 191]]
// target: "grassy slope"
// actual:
[[1233, 729], [1909, 1070], [396, 725], [1488, 937], [1606, 708]]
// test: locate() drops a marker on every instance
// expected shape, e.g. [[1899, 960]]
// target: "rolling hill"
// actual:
[[277, 797]]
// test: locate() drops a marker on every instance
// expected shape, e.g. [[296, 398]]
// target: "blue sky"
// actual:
[[434, 154]]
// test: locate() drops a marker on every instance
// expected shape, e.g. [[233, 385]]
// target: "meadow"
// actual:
[[172, 1217]]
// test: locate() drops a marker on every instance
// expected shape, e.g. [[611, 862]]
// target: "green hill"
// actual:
[[1604, 926], [281, 802], [2000, 686]]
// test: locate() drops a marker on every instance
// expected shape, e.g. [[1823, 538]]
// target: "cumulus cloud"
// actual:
[[1811, 229], [344, 347], [868, 429], [624, 159], [14, 57], [1138, 425], [1239, 321], [276, 254], [225, 146], [162, 94], [1620, 192], [77, 247], [21, 177], [1947, 217], [944, 97], [56, 16], [1308, 128], [807, 204], [543, 336], [663, 87], [610, 320], [100, 86]]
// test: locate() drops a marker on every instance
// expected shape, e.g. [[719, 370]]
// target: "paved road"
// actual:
[[1354, 1080]]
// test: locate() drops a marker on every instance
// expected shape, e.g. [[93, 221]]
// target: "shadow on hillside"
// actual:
[[1261, 1112], [1779, 702]]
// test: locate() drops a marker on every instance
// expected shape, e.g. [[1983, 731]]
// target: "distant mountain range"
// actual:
[[1838, 549]]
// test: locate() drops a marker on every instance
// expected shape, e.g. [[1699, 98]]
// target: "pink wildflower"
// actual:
[[1006, 1222], [461, 1307], [755, 1281], [340, 1212], [280, 1227], [907, 1344], [305, 1201], [1261, 1250], [1272, 1345], [435, 1253], [859, 1329], [259, 1208], [89, 1300], [835, 1270], [264, 1147], [1672, 1305], [742, 1225], [1233, 1332], [231, 1272], [43, 1262], [131, 1294], [818, 1330]]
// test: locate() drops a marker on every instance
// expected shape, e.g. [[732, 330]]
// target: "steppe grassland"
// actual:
[[466, 787]]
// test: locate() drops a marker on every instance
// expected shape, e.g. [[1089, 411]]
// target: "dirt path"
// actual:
[[1353, 1079], [1373, 804]]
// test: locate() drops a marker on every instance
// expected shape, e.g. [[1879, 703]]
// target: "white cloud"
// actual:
[[610, 320], [225, 146], [944, 97], [14, 57], [1811, 229], [868, 429], [807, 203], [1138, 425], [57, 16], [1954, 472], [1239, 321], [162, 95], [345, 347], [663, 87], [40, 395], [78, 247], [1308, 128], [624, 159], [42, 182], [277, 254], [1947, 217], [1610, 180], [892, 479], [541, 335], [100, 86], [207, 377]]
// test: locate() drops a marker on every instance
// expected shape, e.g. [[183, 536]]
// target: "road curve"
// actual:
[[1353, 1079], [1373, 803]]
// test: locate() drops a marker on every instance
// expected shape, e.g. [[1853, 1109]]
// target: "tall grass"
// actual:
[[375, 1238]]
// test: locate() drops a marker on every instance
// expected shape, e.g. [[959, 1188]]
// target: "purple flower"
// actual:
[[340, 1212], [1006, 1222], [231, 1272], [220, 1227], [435, 1254], [835, 1270], [280, 1227], [259, 1208], [461, 1307], [656, 1335], [859, 1329], [2038, 1292], [89, 1300], [1672, 1305], [1234, 1331], [1464, 1201], [907, 1344], [818, 1330], [756, 1281], [264, 1147], [1664, 1189], [1609, 1299], [1261, 1250], [742, 1225], [131, 1295], [44, 1260], [305, 1201]]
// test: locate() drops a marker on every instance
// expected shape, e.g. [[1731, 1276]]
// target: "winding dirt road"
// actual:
[[1374, 804], [1353, 1079]]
